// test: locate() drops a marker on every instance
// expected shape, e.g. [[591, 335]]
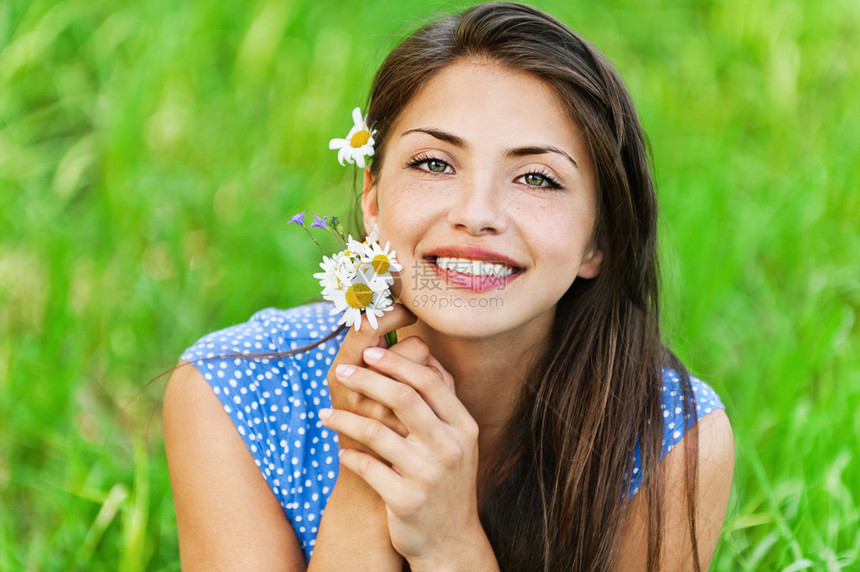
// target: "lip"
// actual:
[[474, 253], [461, 281]]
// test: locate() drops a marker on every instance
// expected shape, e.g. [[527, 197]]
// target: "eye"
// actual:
[[436, 165], [431, 164], [541, 179]]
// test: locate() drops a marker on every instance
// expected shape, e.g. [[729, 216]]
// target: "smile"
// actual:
[[473, 275], [473, 267]]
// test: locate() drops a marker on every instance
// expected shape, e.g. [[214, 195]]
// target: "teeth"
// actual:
[[473, 267]]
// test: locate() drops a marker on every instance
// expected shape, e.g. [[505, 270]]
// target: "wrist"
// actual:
[[472, 551], [353, 531], [353, 491]]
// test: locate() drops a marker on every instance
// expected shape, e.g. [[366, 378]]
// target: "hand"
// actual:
[[429, 488], [351, 353]]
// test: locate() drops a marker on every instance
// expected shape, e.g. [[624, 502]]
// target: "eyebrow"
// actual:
[[515, 152]]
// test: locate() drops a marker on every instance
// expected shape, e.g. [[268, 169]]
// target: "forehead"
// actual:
[[490, 104]]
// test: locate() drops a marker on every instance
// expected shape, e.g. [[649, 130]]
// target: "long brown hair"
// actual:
[[557, 499]]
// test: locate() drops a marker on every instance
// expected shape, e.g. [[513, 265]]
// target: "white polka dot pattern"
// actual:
[[274, 404]]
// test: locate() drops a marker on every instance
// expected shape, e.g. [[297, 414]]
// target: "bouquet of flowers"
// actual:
[[358, 278]]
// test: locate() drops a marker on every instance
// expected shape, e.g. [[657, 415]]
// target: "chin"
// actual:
[[442, 315]]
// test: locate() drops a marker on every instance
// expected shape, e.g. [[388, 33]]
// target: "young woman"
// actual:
[[531, 421]]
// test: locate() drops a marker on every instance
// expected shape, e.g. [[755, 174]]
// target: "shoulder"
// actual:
[[270, 372], [267, 331], [684, 406], [276, 352]]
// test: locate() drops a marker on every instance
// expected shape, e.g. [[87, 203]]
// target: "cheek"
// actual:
[[403, 202], [404, 221], [562, 239]]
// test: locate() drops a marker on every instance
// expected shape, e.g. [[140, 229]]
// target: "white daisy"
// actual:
[[357, 280], [379, 262], [336, 270], [355, 249], [358, 143], [381, 304], [351, 301]]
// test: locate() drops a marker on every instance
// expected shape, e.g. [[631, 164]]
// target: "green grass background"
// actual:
[[151, 151]]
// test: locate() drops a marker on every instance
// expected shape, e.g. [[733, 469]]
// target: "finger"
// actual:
[[427, 380], [352, 346], [406, 403], [447, 378], [373, 435], [355, 341], [413, 348], [367, 407], [379, 476], [464, 419]]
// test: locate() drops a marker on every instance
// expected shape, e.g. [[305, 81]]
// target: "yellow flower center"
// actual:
[[380, 264], [359, 296], [359, 138]]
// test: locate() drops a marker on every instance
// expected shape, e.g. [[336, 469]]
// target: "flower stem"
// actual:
[[391, 338], [307, 230]]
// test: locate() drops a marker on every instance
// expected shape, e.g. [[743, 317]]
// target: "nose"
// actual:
[[476, 208]]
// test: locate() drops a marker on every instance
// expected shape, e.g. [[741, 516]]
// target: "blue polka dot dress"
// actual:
[[274, 404]]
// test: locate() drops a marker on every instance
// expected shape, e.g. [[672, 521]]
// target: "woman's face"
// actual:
[[487, 194]]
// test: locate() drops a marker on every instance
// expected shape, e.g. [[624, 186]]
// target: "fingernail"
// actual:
[[372, 354], [344, 370], [324, 414]]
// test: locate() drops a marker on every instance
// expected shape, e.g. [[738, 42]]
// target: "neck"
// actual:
[[489, 373]]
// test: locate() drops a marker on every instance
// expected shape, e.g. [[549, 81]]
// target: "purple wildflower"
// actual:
[[319, 222], [299, 218]]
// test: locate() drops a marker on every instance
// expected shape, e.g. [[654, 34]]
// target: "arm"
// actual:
[[353, 531], [427, 476], [228, 518], [715, 470]]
